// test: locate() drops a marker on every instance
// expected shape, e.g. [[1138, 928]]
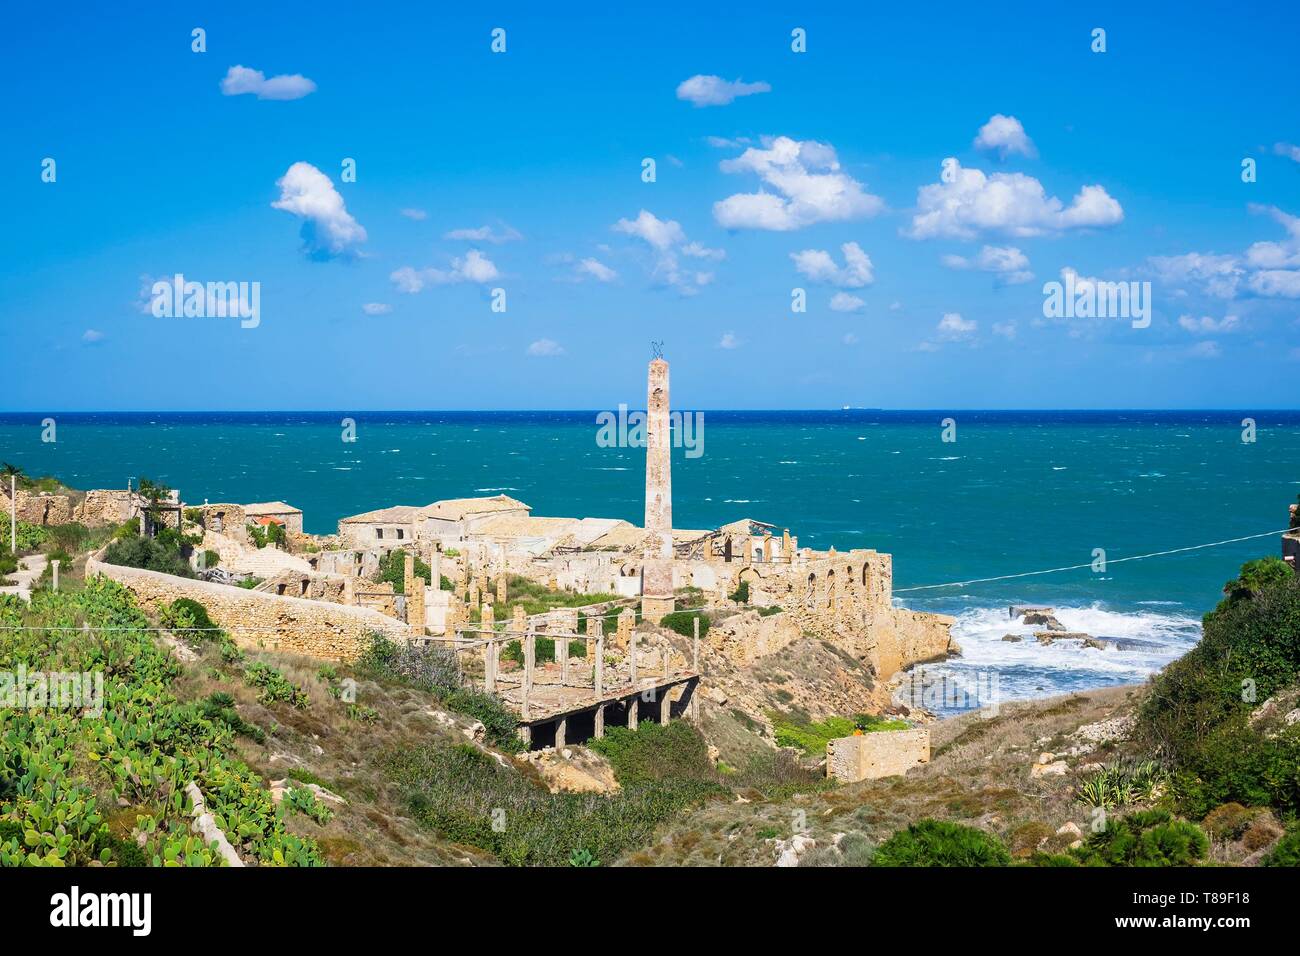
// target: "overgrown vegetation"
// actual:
[[1121, 785], [460, 792], [1145, 838], [682, 622], [1198, 713], [795, 730], [940, 843], [78, 785]]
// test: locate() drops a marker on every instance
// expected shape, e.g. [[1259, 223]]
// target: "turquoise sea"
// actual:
[[1016, 492]]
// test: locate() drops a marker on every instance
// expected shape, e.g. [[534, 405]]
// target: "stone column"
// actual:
[[473, 597], [633, 711], [747, 549], [631, 657], [657, 569], [530, 657], [562, 655], [626, 621], [435, 568], [502, 590], [596, 630], [561, 731], [54, 569], [408, 574], [519, 621], [415, 613], [787, 554]]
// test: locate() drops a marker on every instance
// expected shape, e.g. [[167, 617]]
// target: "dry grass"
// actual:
[[978, 775]]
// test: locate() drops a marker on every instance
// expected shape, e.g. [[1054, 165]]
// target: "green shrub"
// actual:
[[681, 622], [393, 570], [1146, 838], [189, 616], [1197, 713], [274, 686], [654, 753], [741, 594], [1287, 851], [939, 843], [151, 554]]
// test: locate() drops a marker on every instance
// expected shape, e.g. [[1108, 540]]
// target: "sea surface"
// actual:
[[1016, 492]]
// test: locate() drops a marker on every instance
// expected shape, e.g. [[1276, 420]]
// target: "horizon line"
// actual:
[[846, 408]]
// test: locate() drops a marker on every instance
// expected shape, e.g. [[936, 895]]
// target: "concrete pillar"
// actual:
[[665, 706], [561, 731], [54, 567], [435, 568], [415, 613], [695, 646], [631, 657], [502, 590], [488, 618], [626, 621], [787, 554], [562, 655], [519, 622], [596, 629], [747, 549], [657, 569], [408, 574], [600, 721], [490, 650], [633, 708], [666, 655], [794, 547], [530, 657], [767, 547]]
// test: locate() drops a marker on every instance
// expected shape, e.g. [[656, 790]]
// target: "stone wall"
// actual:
[[40, 509], [882, 753], [105, 506], [295, 625]]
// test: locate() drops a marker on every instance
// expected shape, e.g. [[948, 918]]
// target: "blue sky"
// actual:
[[522, 171]]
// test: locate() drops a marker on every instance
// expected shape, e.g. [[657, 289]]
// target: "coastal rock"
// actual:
[[1020, 610], [1051, 636], [1012, 638], [1043, 618], [1113, 728]]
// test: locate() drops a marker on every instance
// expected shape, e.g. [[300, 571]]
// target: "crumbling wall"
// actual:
[[106, 506], [334, 632], [40, 509], [882, 753]]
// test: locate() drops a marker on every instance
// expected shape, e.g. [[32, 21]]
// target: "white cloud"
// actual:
[[596, 269], [846, 302], [1276, 283], [419, 215], [1005, 136], [1007, 262], [545, 348], [327, 230], [473, 267], [667, 240], [1005, 329], [376, 308], [953, 327], [1206, 325], [1206, 349], [698, 251], [1010, 203], [1289, 150], [810, 188], [660, 233], [729, 341], [484, 234], [819, 266], [715, 91], [92, 336], [240, 80]]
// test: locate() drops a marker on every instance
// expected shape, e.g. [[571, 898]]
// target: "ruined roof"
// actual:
[[630, 537], [397, 514], [525, 526], [455, 509], [744, 526], [271, 508]]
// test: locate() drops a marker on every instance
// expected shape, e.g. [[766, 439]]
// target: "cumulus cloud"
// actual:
[[966, 202], [810, 187], [485, 234], [818, 265], [92, 336], [715, 91], [1008, 263], [729, 341], [241, 79], [667, 241], [327, 230], [472, 267], [1004, 135], [1006, 330], [1207, 325], [545, 348], [595, 269], [376, 308], [1270, 269], [953, 327], [846, 302], [1289, 150]]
